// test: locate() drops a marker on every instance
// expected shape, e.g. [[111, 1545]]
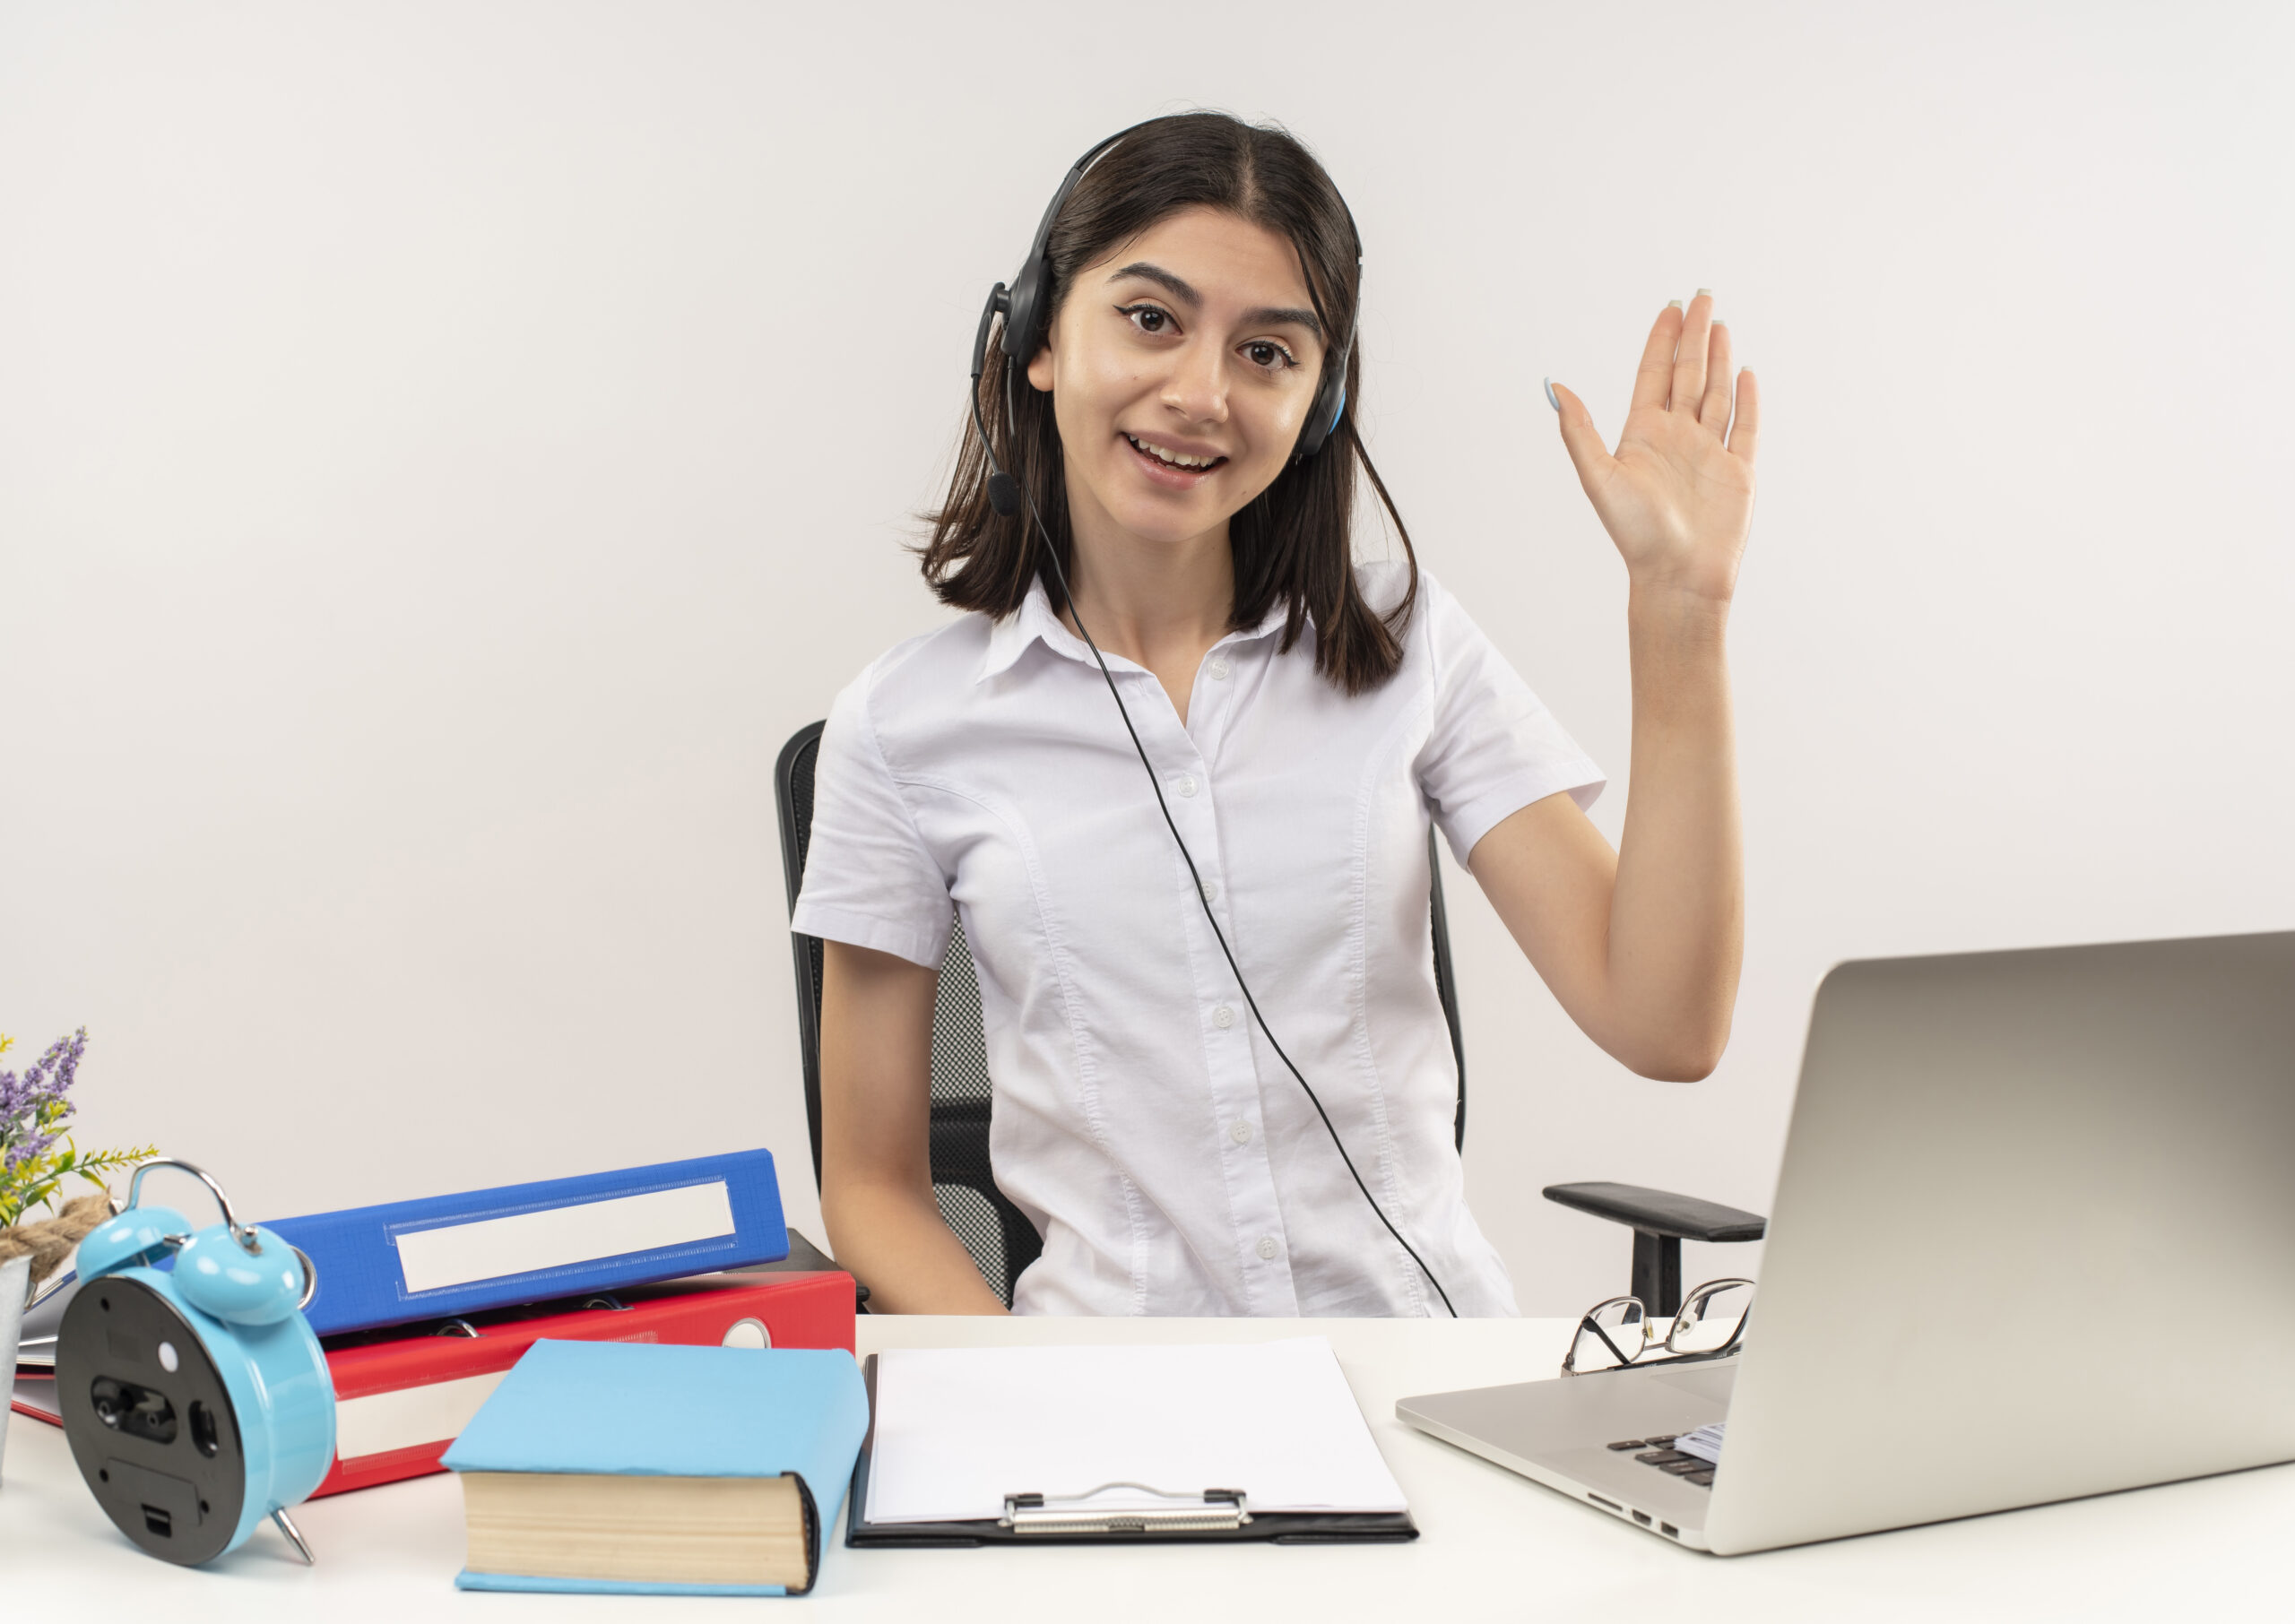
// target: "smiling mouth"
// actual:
[[1180, 461]]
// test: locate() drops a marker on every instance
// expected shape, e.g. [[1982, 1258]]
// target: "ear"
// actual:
[[1040, 364]]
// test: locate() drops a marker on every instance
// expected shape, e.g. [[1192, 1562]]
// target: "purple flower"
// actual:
[[37, 1099], [20, 1153]]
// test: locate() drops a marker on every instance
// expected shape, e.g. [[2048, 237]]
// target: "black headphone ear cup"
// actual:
[[1023, 333], [1323, 412]]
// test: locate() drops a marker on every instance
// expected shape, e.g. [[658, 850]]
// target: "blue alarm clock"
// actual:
[[196, 1399]]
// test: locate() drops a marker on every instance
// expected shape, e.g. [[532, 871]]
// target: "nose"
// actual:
[[1196, 389]]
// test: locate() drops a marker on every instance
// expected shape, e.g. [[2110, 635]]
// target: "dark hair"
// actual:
[[1293, 543]]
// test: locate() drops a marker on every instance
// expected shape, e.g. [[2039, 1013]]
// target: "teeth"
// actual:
[[1176, 459]]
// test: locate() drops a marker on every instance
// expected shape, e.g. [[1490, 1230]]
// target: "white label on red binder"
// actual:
[[380, 1422], [459, 1254]]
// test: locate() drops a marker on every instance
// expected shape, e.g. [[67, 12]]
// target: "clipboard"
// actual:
[[1063, 1515]]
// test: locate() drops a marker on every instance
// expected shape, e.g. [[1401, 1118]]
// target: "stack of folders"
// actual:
[[617, 1468], [423, 1307]]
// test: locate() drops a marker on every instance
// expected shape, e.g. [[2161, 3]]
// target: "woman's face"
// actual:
[[1181, 367]]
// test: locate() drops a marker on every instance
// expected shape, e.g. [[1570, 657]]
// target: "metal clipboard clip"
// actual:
[[1215, 1510]]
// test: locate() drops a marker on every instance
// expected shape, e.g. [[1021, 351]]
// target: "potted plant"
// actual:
[[34, 1173]]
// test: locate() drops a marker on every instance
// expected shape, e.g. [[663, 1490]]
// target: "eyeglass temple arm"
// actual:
[[1590, 1323], [1660, 1221]]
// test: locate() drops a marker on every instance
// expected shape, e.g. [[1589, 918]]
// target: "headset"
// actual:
[[1025, 307]]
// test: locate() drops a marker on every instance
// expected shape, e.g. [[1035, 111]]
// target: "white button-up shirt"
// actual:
[[1141, 1119]]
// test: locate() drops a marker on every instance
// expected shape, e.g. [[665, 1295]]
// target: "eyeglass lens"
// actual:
[[1611, 1334], [1710, 1318]]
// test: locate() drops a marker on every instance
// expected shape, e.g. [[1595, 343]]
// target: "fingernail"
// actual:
[[1673, 304], [1549, 395], [1705, 293], [1719, 322]]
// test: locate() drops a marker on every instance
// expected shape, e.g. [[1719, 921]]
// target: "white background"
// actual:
[[446, 449]]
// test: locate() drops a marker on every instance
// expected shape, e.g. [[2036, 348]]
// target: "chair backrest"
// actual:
[[1002, 1241]]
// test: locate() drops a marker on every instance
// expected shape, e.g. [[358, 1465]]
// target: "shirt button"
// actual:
[[1268, 1249], [1223, 1017], [1240, 1133], [1211, 891], [1219, 669], [1186, 785]]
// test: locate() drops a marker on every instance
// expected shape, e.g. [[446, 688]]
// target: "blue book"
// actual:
[[633, 1467], [447, 1255]]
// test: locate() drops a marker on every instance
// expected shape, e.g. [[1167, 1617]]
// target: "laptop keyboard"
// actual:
[[1659, 1451]]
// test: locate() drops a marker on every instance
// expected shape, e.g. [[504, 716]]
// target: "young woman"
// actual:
[[1305, 717]]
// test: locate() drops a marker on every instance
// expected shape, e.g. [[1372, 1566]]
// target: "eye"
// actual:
[[1268, 353], [1148, 318]]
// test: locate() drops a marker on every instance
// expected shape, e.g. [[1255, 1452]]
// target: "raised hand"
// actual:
[[1678, 496]]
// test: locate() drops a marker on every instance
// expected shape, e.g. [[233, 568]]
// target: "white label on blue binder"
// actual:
[[460, 1254]]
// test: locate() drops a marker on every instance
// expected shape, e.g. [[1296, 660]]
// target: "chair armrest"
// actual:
[[1660, 1212]]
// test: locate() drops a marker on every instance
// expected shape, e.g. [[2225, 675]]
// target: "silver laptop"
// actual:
[[2034, 1238]]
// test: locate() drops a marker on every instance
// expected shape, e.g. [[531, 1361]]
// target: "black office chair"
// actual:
[[1002, 1241]]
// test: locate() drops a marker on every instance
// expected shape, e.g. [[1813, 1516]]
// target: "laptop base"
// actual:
[[1559, 1433]]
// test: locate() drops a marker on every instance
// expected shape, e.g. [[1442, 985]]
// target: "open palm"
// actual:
[[1678, 496]]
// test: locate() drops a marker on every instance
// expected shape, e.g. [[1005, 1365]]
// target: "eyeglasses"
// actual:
[[1611, 1334]]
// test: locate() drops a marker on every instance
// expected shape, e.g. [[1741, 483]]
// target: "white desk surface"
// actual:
[[1492, 1544]]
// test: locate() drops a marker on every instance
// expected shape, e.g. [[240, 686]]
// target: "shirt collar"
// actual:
[[1008, 638]]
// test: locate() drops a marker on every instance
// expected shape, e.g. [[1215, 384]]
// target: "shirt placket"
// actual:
[[1190, 790]]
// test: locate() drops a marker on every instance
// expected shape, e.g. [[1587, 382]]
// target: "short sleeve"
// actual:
[[1493, 749], [870, 880]]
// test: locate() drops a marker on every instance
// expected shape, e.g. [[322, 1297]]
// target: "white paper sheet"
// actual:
[[958, 1429], [1705, 1443]]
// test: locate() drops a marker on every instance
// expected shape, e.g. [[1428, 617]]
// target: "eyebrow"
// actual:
[[1267, 316]]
